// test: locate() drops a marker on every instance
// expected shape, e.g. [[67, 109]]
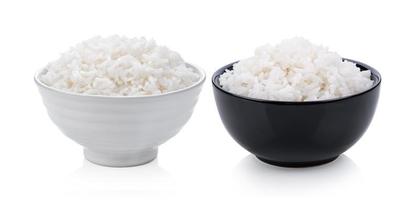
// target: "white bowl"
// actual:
[[120, 131]]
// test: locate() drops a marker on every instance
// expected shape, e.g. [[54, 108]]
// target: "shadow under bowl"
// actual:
[[297, 134]]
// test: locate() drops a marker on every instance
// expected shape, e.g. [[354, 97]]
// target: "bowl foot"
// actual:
[[120, 158], [297, 164]]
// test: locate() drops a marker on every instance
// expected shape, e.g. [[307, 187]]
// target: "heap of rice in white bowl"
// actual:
[[119, 66], [295, 70]]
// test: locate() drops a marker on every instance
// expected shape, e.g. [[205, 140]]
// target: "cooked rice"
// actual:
[[119, 66], [295, 70]]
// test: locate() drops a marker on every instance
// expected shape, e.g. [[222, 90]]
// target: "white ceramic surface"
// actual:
[[120, 131]]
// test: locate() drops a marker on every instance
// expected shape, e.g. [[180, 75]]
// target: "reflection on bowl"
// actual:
[[297, 134]]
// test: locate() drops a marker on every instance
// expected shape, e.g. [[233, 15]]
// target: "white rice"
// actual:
[[295, 70], [119, 66]]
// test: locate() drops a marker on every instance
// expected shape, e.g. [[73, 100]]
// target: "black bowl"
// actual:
[[297, 134]]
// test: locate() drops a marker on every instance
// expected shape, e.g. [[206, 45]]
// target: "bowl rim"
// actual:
[[374, 72], [55, 90]]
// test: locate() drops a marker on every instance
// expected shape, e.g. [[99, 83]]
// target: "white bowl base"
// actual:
[[121, 159]]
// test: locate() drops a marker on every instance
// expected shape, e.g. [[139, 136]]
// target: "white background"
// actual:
[[202, 161]]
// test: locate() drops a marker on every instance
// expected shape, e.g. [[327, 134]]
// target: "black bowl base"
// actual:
[[297, 164]]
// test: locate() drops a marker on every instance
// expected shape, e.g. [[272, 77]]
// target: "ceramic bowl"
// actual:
[[297, 134], [120, 131]]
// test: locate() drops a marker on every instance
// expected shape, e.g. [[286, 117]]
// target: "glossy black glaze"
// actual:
[[297, 134]]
